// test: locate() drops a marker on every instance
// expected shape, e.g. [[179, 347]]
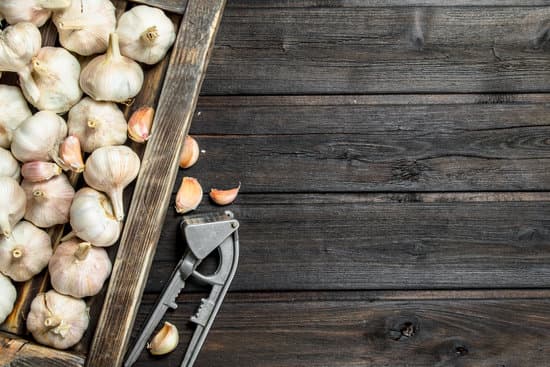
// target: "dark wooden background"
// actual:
[[395, 167]]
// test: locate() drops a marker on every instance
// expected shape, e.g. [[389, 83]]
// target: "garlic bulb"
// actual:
[[189, 195], [18, 45], [112, 77], [9, 295], [13, 111], [146, 34], [78, 269], [48, 202], [25, 253], [111, 169], [12, 204], [34, 11], [92, 218], [165, 341], [40, 171], [84, 27], [97, 124], [9, 167], [53, 83], [139, 126], [57, 320], [38, 138]]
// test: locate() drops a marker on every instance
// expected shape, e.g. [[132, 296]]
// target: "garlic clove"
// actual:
[[12, 204], [9, 167], [165, 341], [71, 154], [40, 171], [13, 111], [224, 197], [139, 126], [9, 296], [189, 195], [35, 11], [190, 153]]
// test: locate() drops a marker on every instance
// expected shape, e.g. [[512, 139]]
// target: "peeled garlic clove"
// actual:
[[146, 34], [9, 295], [111, 169], [40, 171], [92, 218], [9, 167], [48, 202], [189, 195], [139, 126], [224, 197], [190, 154], [71, 155], [84, 27], [13, 111], [12, 204], [57, 320], [19, 43], [25, 253], [34, 11], [112, 77], [165, 341], [38, 138]]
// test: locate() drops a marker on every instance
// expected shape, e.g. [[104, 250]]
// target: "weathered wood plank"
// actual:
[[174, 6], [160, 162], [342, 50]]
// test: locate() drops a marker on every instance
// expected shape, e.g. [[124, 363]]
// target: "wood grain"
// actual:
[[174, 6]]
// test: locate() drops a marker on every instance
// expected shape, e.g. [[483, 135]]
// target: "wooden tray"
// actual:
[[172, 86]]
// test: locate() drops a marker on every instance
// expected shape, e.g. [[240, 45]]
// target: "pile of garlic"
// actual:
[[74, 125]]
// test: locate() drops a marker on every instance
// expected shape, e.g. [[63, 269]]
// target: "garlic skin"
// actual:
[[13, 111], [111, 169], [112, 77], [146, 34], [48, 202], [13, 202], [78, 269], [57, 320], [92, 218], [84, 27], [9, 295], [40, 171], [165, 341], [71, 154], [190, 153], [97, 124], [139, 126], [224, 197], [38, 138], [9, 167], [189, 195], [35, 11], [25, 253]]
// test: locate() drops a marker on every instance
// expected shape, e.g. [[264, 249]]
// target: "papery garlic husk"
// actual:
[[84, 27], [38, 138], [112, 77], [12, 204], [97, 124], [9, 295], [58, 320], [38, 171], [146, 34], [13, 111], [190, 153], [9, 167], [19, 43], [53, 83], [139, 126], [189, 195], [111, 169], [224, 197], [92, 218], [78, 269], [71, 154], [165, 341], [48, 202], [35, 11], [25, 253]]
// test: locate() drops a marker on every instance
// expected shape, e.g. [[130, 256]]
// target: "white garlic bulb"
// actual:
[[48, 202], [111, 169], [9, 295], [38, 138], [54, 81], [18, 45], [84, 27], [25, 253], [97, 124], [9, 167], [12, 204], [112, 77], [146, 34], [92, 218], [34, 11], [58, 320], [78, 269], [13, 111]]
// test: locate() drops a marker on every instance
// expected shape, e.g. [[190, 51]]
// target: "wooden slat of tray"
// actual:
[[174, 6]]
